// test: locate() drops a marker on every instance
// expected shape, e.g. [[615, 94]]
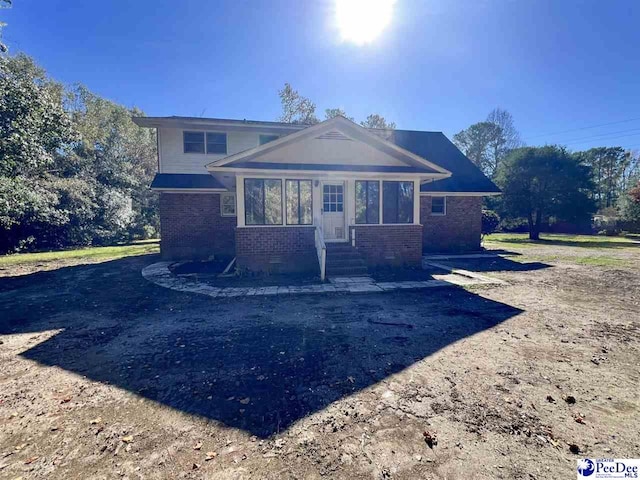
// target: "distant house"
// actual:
[[273, 194]]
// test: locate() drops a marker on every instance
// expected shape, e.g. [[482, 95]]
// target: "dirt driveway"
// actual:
[[105, 375]]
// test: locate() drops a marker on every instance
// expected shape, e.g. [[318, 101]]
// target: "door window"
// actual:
[[333, 198]]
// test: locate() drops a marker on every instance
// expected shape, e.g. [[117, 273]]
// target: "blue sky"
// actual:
[[556, 65]]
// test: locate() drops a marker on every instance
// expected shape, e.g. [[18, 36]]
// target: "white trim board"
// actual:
[[459, 194]]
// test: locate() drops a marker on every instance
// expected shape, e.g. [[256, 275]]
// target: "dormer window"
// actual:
[[194, 142]]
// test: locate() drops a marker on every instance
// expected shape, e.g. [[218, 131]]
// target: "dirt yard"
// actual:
[[105, 375]]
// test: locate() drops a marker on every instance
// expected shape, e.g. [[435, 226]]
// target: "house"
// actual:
[[275, 194]]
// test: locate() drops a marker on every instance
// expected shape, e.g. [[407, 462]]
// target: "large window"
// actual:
[[438, 205], [397, 202], [194, 142], [367, 201], [262, 201], [299, 202]]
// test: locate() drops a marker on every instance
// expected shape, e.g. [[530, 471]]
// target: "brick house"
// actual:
[[291, 197]]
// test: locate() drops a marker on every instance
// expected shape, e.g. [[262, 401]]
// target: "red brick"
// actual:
[[457, 231], [389, 244]]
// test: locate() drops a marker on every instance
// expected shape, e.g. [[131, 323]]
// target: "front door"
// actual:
[[333, 225]]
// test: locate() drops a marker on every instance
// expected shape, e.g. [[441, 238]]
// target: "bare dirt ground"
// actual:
[[105, 375]]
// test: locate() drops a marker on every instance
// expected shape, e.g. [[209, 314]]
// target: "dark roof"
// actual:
[[185, 180], [331, 167], [435, 147]]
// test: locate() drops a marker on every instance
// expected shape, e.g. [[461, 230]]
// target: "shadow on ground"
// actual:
[[258, 364], [493, 264]]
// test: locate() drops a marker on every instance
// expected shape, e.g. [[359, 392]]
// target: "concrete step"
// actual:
[[344, 262]]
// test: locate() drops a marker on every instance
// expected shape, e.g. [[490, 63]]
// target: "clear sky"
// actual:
[[556, 65]]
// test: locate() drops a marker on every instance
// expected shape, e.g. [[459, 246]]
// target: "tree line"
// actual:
[[74, 169], [550, 184]]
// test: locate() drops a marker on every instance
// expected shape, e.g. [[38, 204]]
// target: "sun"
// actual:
[[361, 21]]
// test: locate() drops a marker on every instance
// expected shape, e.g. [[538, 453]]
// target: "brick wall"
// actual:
[[389, 244], [191, 226], [276, 249], [457, 231]]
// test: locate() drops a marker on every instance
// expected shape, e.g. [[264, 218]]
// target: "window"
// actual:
[[397, 202], [367, 201], [217, 143], [438, 205], [228, 204], [299, 202], [193, 142], [332, 198], [262, 201], [268, 138]]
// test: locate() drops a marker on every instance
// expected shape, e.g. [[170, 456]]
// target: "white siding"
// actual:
[[174, 160], [329, 151]]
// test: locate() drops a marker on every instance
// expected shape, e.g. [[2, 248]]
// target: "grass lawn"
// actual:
[[141, 247], [583, 241]]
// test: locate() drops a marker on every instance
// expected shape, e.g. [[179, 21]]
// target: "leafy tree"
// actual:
[[295, 107], [478, 143], [610, 167], [542, 182], [334, 112], [630, 208], [488, 143], [3, 4], [377, 121]]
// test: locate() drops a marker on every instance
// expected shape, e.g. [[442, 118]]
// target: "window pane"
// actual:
[[361, 202], [273, 202], [373, 202], [216, 143], [254, 201], [193, 142], [292, 190], [405, 202], [389, 202], [306, 202], [437, 205]]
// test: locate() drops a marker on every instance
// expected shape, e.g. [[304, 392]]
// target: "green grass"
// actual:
[[142, 247], [521, 240]]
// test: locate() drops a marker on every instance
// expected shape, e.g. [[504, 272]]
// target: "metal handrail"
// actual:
[[321, 248]]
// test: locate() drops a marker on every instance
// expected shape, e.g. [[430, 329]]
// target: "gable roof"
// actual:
[[465, 176], [330, 127]]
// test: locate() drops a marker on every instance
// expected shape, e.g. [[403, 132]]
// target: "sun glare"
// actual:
[[361, 21]]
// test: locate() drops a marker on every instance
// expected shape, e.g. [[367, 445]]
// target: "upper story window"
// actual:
[[438, 205], [267, 138], [397, 202], [205, 142]]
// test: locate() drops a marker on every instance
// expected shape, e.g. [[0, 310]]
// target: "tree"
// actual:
[[611, 168], [542, 182], [488, 143], [478, 143], [334, 112], [295, 107], [630, 209], [3, 4], [377, 121]]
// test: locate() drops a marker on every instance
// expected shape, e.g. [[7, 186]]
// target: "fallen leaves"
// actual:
[[211, 456], [127, 439], [197, 446], [430, 438]]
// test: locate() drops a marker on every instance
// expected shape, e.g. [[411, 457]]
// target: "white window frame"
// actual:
[[205, 133], [444, 212], [222, 204]]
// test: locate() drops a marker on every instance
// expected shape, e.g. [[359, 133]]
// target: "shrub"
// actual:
[[490, 221]]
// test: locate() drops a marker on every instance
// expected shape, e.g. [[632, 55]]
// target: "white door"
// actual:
[[333, 225]]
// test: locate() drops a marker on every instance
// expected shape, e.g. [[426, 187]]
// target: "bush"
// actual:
[[490, 222]]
